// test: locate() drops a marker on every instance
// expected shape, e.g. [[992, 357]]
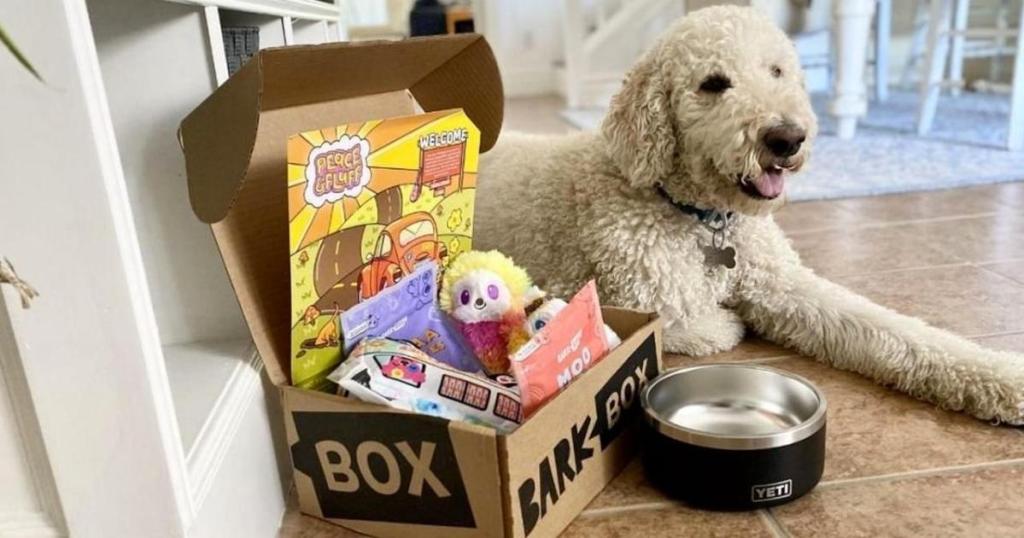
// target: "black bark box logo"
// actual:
[[616, 407], [382, 467]]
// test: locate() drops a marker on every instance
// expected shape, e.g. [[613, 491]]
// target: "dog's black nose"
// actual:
[[479, 303], [784, 140]]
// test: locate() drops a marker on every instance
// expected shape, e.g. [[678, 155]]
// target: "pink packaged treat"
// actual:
[[570, 343]]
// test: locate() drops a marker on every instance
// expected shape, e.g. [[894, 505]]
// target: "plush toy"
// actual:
[[485, 293]]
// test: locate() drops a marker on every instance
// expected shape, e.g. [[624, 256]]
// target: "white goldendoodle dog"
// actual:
[[669, 207]]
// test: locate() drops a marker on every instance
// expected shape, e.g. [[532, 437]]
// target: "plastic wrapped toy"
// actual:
[[541, 311], [408, 311], [402, 376], [484, 292]]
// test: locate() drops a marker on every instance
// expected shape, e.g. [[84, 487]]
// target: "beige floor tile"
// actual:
[[1010, 194], [629, 488], [536, 115], [972, 503], [992, 238], [752, 348], [1005, 342], [926, 205], [964, 299], [868, 250], [672, 521], [873, 430], [1013, 270], [296, 525], [800, 217]]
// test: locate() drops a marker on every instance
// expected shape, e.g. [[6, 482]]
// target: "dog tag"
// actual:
[[720, 257]]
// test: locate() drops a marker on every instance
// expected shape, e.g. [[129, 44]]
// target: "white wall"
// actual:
[[526, 36], [154, 59]]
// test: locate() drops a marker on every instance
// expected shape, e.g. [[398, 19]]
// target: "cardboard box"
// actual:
[[371, 468]]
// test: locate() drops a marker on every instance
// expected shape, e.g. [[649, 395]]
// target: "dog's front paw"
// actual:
[[705, 336]]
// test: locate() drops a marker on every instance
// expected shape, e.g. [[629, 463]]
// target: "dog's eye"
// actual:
[[715, 84], [776, 71]]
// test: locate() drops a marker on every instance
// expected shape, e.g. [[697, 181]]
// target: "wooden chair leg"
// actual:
[[883, 31], [956, 54], [1015, 140], [935, 61]]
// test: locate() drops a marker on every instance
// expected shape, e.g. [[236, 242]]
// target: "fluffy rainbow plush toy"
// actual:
[[484, 292]]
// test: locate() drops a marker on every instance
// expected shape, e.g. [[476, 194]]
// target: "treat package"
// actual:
[[353, 380], [410, 379], [566, 346], [546, 310], [408, 311]]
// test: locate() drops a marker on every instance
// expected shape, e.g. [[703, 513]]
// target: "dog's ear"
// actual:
[[639, 126]]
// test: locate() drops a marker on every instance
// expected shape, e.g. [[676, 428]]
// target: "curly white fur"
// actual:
[[572, 208]]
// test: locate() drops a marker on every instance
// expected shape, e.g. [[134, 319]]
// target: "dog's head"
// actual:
[[716, 112]]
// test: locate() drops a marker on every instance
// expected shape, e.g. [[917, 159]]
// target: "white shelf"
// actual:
[[297, 9]]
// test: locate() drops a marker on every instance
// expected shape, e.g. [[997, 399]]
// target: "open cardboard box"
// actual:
[[378, 470]]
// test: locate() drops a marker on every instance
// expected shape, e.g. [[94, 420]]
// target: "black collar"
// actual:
[[706, 216]]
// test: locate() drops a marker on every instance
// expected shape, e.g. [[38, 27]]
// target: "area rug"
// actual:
[[886, 156]]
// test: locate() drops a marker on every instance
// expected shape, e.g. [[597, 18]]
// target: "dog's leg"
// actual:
[[794, 307], [709, 333]]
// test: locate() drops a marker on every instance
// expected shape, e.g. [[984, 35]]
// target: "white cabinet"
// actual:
[[132, 383]]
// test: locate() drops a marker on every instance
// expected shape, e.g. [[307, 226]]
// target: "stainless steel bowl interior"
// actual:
[[734, 406]]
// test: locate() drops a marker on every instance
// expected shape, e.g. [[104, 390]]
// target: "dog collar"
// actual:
[[717, 254], [713, 218]]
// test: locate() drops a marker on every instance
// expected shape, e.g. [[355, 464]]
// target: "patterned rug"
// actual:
[[964, 148]]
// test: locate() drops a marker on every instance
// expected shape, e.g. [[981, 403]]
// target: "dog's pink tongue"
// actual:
[[770, 184]]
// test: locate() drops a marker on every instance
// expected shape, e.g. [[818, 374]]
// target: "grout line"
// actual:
[[937, 471], [889, 224], [610, 510], [777, 358], [899, 270], [982, 266], [991, 335], [774, 525]]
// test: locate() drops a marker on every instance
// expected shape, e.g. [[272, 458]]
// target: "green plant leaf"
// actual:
[[6, 40]]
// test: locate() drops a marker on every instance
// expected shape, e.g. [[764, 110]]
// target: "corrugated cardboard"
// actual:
[[372, 468], [386, 472], [234, 145]]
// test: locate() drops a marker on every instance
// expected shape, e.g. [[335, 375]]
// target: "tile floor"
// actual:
[[895, 466]]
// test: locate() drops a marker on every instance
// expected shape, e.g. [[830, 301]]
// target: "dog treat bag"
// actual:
[[566, 346], [353, 380], [408, 311], [411, 380]]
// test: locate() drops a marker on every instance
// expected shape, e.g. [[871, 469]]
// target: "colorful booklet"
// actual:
[[367, 203]]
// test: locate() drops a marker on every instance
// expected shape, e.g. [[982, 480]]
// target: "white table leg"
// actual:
[[935, 63], [956, 52], [883, 31], [1015, 141], [852, 32]]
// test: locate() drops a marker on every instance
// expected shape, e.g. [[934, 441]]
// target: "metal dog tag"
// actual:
[[719, 257]]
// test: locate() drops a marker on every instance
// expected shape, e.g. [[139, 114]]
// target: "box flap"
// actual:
[[442, 72], [235, 145]]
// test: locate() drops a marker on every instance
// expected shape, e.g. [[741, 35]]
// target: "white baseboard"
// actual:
[[215, 438], [28, 525]]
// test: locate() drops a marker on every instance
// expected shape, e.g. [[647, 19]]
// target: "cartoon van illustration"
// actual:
[[405, 370], [402, 245]]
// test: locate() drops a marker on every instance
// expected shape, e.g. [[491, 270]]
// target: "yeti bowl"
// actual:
[[733, 436]]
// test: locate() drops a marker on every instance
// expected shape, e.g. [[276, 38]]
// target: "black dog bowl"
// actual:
[[733, 436]]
